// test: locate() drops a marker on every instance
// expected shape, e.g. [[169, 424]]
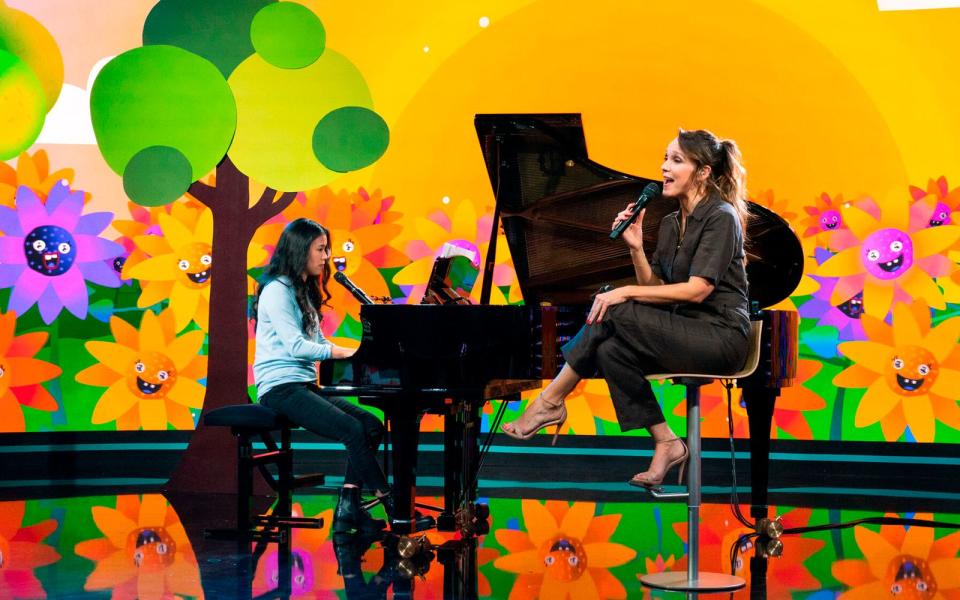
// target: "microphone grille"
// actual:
[[339, 277], [652, 189]]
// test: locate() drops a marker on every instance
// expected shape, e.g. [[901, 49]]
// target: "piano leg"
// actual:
[[461, 459], [760, 403], [404, 438]]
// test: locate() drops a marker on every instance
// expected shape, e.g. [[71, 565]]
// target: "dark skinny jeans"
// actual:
[[333, 417]]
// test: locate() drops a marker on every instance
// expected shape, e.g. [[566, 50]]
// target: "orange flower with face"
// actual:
[[33, 172], [719, 531], [911, 371], [21, 375], [565, 552], [22, 551], [145, 551], [150, 375], [362, 227], [901, 562]]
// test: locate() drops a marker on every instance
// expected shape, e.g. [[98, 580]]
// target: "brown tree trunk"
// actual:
[[209, 465]]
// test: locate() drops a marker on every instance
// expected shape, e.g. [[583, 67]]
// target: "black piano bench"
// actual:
[[247, 421]]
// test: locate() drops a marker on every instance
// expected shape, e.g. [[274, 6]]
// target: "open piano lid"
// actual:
[[556, 206]]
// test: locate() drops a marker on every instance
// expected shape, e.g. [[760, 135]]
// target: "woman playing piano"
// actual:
[[289, 343], [689, 311]]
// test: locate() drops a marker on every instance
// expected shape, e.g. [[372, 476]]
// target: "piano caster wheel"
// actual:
[[481, 527], [481, 511], [446, 522]]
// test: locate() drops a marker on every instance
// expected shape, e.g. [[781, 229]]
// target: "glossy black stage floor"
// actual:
[[594, 546]]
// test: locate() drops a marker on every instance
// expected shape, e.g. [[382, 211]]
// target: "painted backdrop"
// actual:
[[360, 115]]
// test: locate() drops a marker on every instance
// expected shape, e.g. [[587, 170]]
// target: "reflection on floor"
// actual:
[[145, 546]]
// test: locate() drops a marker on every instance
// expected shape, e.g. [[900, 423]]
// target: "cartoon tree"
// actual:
[[246, 87], [31, 76]]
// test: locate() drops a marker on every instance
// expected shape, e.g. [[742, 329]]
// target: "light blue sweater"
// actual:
[[285, 353]]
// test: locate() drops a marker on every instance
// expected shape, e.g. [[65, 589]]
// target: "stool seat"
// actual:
[[751, 364], [246, 416], [695, 580]]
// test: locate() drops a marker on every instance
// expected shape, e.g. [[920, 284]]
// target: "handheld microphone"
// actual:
[[649, 193], [359, 294]]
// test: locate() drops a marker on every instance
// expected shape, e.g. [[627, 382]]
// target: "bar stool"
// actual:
[[694, 580], [247, 421]]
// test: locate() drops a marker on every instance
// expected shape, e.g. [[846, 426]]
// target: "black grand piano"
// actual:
[[555, 206]]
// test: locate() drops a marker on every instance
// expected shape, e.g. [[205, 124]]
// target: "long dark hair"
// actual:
[[728, 178], [290, 259]]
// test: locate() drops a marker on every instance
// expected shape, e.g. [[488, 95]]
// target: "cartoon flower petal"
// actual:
[[527, 561], [847, 262], [91, 248], [176, 232], [184, 303], [27, 371], [919, 415], [187, 392], [113, 403], [154, 245], [605, 554], [877, 298], [71, 291], [26, 291], [153, 292], [577, 519], [868, 354], [540, 523], [111, 354], [65, 213], [878, 400], [153, 415], [10, 222], [11, 415], [923, 287], [93, 223], [156, 268], [860, 222], [893, 424], [934, 240], [11, 250], [114, 524], [97, 375], [907, 331], [50, 305], [185, 348]]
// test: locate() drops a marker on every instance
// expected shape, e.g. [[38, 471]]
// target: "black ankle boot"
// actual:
[[350, 515]]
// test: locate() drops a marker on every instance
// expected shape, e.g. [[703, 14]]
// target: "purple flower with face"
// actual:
[[49, 251]]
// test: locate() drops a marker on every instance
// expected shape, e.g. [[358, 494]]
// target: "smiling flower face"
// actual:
[[888, 253], [50, 251], [894, 255], [150, 375], [913, 371], [179, 265], [830, 220], [194, 264], [910, 370]]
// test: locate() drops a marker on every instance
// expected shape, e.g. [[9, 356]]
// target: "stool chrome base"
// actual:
[[704, 582]]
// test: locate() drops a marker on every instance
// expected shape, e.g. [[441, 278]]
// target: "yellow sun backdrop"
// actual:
[[845, 113]]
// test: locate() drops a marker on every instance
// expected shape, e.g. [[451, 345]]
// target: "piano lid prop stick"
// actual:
[[648, 194], [359, 294]]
